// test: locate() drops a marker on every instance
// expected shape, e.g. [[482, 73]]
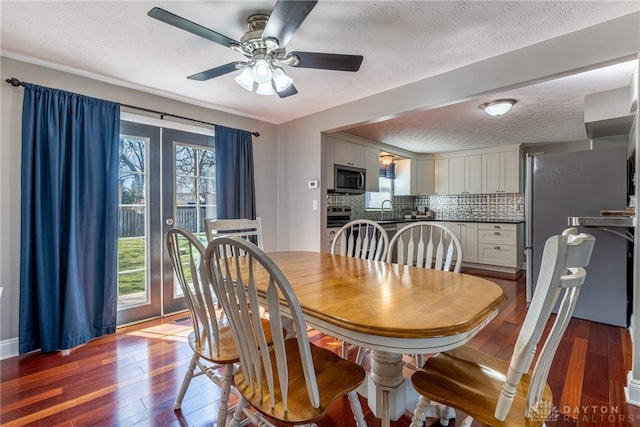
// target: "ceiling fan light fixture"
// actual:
[[280, 79], [498, 107], [265, 89], [245, 79], [261, 71]]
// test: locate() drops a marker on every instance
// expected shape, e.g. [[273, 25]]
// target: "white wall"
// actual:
[[265, 156], [300, 139]]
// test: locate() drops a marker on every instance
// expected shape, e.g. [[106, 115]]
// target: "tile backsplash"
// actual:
[[477, 207]]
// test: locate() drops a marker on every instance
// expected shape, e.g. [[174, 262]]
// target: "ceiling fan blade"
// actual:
[[328, 61], [215, 72], [192, 27], [286, 17], [291, 90]]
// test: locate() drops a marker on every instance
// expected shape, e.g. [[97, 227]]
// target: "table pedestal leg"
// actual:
[[385, 388]]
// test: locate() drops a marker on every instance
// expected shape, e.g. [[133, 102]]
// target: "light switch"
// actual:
[[315, 205]]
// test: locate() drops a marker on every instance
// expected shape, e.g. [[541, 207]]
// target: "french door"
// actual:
[[167, 179]]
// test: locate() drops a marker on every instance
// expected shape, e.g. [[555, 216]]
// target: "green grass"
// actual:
[[131, 253], [131, 257]]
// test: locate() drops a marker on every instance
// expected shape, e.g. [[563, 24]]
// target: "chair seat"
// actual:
[[228, 352], [335, 377], [471, 381]]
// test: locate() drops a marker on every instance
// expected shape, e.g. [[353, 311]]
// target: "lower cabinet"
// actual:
[[467, 234], [498, 244], [328, 238]]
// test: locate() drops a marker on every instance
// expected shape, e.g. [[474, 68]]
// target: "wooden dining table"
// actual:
[[390, 309]]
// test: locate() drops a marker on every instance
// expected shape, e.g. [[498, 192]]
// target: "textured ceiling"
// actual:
[[401, 41], [547, 112]]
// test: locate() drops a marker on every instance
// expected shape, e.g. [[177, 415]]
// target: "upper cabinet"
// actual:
[[501, 172], [348, 153], [492, 170], [465, 175], [425, 177], [414, 177], [372, 162], [405, 182], [442, 176]]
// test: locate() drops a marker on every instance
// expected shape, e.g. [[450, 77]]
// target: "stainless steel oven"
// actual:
[[337, 216]]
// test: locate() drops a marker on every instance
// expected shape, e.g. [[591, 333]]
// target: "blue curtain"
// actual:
[[69, 224], [235, 187], [387, 171]]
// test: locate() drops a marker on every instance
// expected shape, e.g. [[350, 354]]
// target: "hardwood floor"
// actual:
[[132, 377]]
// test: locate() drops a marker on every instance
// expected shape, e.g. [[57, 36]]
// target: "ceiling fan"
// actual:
[[264, 47]]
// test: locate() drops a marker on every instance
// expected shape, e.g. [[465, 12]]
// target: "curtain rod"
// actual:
[[15, 83]]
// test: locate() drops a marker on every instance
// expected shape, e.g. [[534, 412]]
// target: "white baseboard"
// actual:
[[632, 390], [9, 348]]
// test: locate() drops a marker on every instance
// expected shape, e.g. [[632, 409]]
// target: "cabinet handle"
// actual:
[[497, 233], [496, 247], [496, 226]]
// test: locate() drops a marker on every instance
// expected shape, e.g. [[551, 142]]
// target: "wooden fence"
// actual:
[[132, 220]]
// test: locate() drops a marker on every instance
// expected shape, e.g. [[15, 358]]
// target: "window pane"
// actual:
[[195, 186], [373, 200], [132, 242], [185, 160]]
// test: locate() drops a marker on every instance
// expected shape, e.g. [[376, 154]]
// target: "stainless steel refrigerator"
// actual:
[[582, 183]]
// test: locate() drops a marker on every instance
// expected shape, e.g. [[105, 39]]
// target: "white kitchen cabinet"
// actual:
[[372, 165], [442, 176], [348, 153], [510, 171], [329, 235], [501, 172], [425, 177], [330, 178], [405, 182], [465, 175], [473, 174], [498, 244], [467, 234]]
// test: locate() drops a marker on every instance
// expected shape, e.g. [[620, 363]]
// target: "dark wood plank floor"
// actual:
[[132, 377]]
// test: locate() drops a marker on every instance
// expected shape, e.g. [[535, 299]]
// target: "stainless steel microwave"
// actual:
[[349, 179]]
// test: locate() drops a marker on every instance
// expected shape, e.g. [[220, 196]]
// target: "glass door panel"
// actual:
[[189, 170], [139, 169]]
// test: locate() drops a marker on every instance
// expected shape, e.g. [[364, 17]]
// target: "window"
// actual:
[[385, 192], [195, 187]]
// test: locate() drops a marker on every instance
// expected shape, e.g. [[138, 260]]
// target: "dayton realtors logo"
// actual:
[[598, 415]]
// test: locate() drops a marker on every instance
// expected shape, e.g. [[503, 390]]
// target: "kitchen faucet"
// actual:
[[382, 208]]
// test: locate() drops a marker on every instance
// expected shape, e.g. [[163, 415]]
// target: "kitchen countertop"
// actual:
[[483, 220]]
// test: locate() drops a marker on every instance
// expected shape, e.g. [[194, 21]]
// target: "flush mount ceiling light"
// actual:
[[498, 107], [386, 159]]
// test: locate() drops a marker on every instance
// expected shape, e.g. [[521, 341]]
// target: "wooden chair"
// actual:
[[426, 244], [499, 393], [211, 341], [361, 238], [293, 382], [250, 229]]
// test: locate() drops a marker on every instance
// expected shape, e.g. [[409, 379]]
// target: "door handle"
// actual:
[[169, 221]]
